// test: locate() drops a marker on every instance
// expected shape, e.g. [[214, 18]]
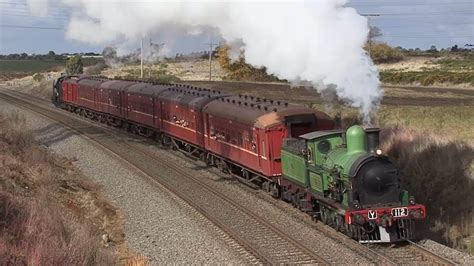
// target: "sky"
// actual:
[[406, 23]]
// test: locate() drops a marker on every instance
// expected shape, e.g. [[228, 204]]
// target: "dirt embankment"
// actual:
[[50, 213]]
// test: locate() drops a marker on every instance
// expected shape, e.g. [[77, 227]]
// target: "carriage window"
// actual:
[[263, 149]]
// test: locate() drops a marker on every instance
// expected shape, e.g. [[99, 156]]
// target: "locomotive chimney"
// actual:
[[372, 139]]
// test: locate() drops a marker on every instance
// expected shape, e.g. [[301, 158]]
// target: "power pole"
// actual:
[[368, 22], [210, 59], [141, 58]]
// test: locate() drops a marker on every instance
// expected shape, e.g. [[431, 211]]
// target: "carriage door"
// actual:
[[256, 147]]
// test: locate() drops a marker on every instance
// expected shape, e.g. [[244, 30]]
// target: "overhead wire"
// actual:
[[30, 27]]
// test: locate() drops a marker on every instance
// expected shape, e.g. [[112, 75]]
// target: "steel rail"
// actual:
[[308, 256]]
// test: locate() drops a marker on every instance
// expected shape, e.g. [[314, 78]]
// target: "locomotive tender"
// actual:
[[289, 150]]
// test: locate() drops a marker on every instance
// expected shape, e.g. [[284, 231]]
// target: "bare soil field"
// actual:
[[394, 95]]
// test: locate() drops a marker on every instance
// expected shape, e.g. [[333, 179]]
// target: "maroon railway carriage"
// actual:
[[181, 113], [249, 131], [142, 106], [110, 98], [240, 134]]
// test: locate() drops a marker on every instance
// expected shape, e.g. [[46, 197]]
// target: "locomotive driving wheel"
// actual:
[[339, 224], [324, 214]]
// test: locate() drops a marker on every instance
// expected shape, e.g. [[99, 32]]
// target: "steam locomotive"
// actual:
[[289, 150]]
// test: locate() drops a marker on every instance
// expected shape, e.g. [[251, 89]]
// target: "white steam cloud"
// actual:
[[318, 42]]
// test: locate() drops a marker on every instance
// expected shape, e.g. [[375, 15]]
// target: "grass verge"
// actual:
[[50, 213]]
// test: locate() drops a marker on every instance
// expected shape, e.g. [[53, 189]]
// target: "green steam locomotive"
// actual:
[[342, 178]]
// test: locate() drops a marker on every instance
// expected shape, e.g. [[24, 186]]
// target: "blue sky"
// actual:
[[406, 23]]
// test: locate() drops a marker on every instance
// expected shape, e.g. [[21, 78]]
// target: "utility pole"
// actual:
[[368, 22], [141, 58], [210, 59]]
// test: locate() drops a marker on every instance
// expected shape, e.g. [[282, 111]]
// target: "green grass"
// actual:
[[453, 121], [446, 70], [457, 64], [427, 77], [30, 66], [35, 66]]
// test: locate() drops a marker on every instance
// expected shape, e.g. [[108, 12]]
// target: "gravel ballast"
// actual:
[[162, 227], [157, 224]]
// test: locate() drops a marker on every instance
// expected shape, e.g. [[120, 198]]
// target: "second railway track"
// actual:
[[265, 241]]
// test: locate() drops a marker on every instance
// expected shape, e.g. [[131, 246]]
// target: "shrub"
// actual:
[[383, 53], [439, 174], [74, 65], [239, 69], [38, 77]]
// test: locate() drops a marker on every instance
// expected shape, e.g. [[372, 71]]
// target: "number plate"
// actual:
[[400, 212]]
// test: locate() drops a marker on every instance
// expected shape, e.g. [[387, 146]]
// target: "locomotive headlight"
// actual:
[[378, 152], [356, 204], [411, 200]]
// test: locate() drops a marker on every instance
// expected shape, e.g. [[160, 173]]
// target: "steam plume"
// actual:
[[318, 42]]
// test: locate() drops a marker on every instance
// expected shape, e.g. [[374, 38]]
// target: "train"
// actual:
[[291, 151]]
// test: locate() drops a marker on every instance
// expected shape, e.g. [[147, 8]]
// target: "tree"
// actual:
[[433, 49], [74, 65], [374, 32], [454, 48]]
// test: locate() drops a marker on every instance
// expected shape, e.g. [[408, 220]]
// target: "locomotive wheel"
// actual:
[[339, 223], [324, 216], [350, 230], [275, 191], [294, 200]]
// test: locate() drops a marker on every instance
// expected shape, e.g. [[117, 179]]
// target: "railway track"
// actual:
[[410, 253], [258, 240], [264, 241]]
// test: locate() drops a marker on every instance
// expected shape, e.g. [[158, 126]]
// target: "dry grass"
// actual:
[[439, 172], [51, 214]]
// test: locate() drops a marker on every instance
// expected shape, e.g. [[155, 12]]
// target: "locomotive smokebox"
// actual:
[[373, 139]]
